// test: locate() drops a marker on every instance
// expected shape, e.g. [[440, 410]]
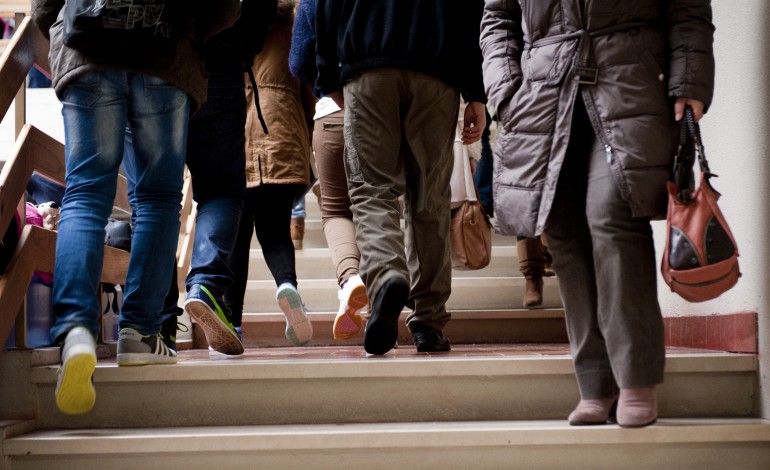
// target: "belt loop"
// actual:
[[581, 72]]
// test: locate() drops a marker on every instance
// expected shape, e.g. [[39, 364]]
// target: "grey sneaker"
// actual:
[[299, 330], [206, 309], [136, 349], [75, 393]]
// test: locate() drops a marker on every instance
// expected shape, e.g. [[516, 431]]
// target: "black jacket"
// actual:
[[181, 64], [237, 46], [436, 37]]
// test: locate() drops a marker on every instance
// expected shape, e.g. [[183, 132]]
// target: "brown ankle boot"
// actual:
[[297, 232], [547, 269], [531, 263]]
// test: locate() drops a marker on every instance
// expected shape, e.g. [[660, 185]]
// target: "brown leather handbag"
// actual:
[[470, 233], [701, 258]]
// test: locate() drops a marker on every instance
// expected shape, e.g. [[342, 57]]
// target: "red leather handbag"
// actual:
[[701, 258]]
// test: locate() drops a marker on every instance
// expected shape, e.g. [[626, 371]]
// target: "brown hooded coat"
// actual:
[[282, 156]]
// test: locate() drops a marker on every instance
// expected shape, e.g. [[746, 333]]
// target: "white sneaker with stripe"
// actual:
[[136, 349]]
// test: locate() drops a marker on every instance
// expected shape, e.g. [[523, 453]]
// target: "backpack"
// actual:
[[111, 25]]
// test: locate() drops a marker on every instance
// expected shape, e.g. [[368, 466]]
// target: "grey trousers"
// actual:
[[399, 131], [605, 262]]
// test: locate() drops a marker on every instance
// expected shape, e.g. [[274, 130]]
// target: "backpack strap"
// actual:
[[250, 72]]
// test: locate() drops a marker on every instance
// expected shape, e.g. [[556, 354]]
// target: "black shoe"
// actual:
[[429, 339], [382, 328]]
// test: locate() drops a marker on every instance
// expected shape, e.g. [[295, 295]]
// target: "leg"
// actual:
[[271, 224], [158, 116], [531, 256], [429, 128], [329, 146], [272, 227], [170, 310], [483, 175], [94, 110], [569, 239], [375, 173], [298, 223], [216, 160], [628, 311], [239, 258]]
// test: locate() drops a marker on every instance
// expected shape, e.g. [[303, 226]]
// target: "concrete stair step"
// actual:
[[314, 236], [338, 385], [468, 293], [673, 443], [466, 327], [316, 263]]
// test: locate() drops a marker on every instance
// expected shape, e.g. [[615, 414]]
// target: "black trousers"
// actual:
[[266, 210]]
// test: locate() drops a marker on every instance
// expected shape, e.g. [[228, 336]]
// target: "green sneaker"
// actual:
[[204, 308]]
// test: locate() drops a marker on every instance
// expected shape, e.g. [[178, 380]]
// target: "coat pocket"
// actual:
[[549, 63]]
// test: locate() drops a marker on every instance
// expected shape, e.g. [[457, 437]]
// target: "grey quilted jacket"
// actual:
[[629, 59]]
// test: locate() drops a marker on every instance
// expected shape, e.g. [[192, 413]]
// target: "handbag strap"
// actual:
[[690, 148], [476, 190]]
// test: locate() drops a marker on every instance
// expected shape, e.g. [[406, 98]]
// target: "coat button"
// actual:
[[661, 77]]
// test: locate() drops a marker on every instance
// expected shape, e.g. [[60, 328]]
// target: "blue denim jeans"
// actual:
[[217, 162], [484, 170], [298, 211], [97, 107]]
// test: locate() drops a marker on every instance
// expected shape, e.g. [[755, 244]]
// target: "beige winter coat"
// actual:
[[634, 58], [283, 155]]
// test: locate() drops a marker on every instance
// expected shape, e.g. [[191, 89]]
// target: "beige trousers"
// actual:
[[399, 131]]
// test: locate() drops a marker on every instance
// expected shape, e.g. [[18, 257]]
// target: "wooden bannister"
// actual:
[[37, 152], [34, 151]]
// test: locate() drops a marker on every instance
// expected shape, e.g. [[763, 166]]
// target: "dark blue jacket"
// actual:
[[436, 37], [302, 54]]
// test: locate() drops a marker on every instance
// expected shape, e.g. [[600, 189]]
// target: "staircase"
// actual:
[[499, 400]]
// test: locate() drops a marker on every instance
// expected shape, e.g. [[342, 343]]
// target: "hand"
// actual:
[[474, 122], [338, 98], [697, 108]]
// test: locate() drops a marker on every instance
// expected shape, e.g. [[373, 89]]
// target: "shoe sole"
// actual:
[[427, 349], [349, 323], [75, 393], [638, 425], [299, 330], [382, 328], [144, 359], [219, 336]]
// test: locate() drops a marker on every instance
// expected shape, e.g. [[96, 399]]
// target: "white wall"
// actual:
[[735, 134]]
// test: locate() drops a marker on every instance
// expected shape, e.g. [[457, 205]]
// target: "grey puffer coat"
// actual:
[[629, 60]]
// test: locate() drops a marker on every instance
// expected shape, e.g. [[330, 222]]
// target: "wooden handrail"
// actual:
[[28, 47], [35, 252], [35, 151], [8, 9]]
